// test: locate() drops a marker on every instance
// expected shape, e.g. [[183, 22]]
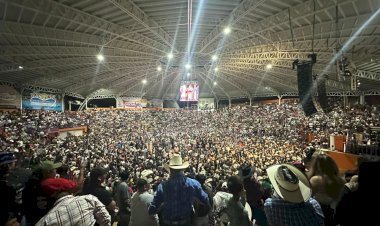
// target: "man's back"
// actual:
[[80, 210], [283, 213], [177, 195], [139, 210], [122, 197]]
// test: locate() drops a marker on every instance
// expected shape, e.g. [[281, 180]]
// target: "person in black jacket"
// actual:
[[34, 201], [355, 208], [255, 194], [8, 208]]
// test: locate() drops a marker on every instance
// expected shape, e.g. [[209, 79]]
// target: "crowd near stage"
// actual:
[[217, 144]]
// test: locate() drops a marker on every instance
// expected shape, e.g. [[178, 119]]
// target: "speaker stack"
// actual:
[[322, 96], [305, 87]]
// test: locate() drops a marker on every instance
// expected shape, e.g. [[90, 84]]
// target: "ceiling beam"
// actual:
[[284, 70], [265, 76], [109, 29], [107, 81], [237, 14], [35, 50], [80, 75], [70, 38], [368, 75], [202, 75], [132, 10], [267, 24]]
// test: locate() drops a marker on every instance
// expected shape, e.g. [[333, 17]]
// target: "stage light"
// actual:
[[20, 67], [100, 57], [227, 30], [159, 68], [216, 69], [188, 74], [214, 57], [170, 56], [215, 83], [269, 66], [187, 66], [144, 81]]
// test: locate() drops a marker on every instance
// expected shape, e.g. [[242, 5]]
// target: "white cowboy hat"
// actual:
[[296, 191], [176, 162], [147, 175]]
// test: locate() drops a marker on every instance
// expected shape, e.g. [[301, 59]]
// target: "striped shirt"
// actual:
[[76, 210]]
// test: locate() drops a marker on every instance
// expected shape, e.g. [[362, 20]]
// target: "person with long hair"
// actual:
[[326, 183]]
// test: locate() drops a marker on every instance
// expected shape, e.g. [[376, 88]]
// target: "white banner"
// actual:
[[9, 97], [131, 102]]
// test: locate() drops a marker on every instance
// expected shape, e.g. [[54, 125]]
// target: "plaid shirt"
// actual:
[[80, 210], [177, 195], [282, 213]]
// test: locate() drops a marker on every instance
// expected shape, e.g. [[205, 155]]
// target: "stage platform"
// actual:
[[345, 161]]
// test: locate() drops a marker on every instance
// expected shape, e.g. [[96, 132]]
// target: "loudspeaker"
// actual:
[[305, 87], [322, 96]]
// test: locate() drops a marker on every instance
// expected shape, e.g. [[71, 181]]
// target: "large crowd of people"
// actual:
[[122, 145]]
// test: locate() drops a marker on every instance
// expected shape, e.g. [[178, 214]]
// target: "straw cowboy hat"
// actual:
[[176, 163], [289, 183], [147, 175]]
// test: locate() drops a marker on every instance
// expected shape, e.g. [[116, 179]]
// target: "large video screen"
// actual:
[[189, 91]]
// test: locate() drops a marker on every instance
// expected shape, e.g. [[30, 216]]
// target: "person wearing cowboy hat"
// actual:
[[291, 204], [255, 193], [177, 195]]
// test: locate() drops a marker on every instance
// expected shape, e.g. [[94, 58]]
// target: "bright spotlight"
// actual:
[[216, 69], [170, 56], [188, 74], [144, 81], [159, 68], [100, 57], [187, 66], [269, 66], [215, 83], [20, 67], [227, 30], [214, 57]]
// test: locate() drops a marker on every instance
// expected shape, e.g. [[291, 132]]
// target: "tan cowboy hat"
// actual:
[[296, 191], [176, 163], [147, 175]]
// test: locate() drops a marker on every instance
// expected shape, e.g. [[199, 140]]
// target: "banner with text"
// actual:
[[41, 101], [9, 97], [131, 102]]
